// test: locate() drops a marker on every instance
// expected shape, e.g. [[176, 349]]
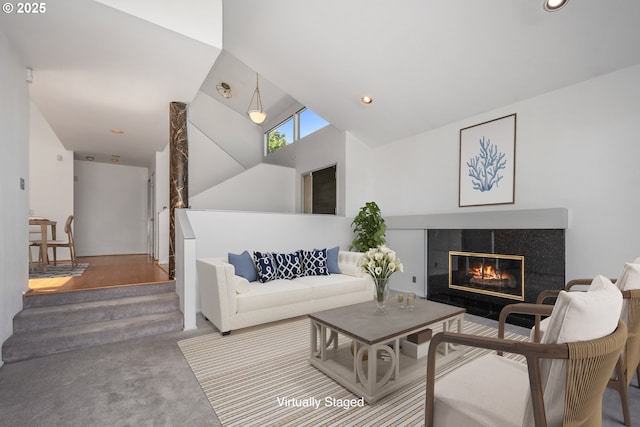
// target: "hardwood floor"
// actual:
[[104, 271]]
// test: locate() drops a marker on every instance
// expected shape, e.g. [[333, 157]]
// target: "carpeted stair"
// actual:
[[60, 322]]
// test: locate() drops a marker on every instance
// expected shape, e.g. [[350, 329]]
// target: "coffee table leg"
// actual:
[[319, 347], [370, 381]]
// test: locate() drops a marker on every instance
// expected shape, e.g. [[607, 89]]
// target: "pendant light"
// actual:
[[257, 114]]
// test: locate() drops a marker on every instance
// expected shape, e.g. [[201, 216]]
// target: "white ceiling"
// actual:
[[425, 63]]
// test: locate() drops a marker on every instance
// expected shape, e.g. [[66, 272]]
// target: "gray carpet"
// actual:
[[60, 270], [142, 382]]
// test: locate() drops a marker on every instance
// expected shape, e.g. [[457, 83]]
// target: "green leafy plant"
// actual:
[[369, 228]]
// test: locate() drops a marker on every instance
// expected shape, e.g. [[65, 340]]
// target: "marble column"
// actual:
[[178, 172]]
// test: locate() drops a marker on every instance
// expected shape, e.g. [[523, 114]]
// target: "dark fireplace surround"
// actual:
[[540, 253]]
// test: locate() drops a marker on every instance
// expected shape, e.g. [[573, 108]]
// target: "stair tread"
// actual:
[[98, 304], [88, 328], [98, 294]]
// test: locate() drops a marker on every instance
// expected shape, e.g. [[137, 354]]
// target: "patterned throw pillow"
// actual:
[[266, 266], [289, 265], [314, 263]]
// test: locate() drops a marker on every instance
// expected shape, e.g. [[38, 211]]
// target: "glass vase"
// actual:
[[381, 295]]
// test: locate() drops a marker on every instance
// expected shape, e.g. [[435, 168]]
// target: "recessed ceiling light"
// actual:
[[114, 160], [553, 5], [117, 131], [90, 158], [366, 100]]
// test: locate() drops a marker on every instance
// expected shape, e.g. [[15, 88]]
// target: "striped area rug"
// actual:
[[249, 375]]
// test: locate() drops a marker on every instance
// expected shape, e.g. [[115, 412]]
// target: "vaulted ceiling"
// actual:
[[113, 64]]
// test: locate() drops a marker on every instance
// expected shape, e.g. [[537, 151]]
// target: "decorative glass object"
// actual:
[[382, 293]]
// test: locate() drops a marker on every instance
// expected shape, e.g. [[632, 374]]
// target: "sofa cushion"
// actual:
[[314, 263], [266, 265], [289, 265], [243, 265], [276, 293], [334, 285], [241, 285], [332, 260]]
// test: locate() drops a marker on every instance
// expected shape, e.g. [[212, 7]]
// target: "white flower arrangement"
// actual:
[[381, 262]]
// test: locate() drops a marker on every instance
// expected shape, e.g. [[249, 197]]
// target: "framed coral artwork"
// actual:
[[487, 163]]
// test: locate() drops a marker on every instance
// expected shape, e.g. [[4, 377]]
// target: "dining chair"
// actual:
[[55, 244], [562, 382]]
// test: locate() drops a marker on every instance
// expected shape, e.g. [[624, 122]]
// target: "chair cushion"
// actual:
[[576, 316], [581, 316], [629, 279], [488, 391], [243, 265]]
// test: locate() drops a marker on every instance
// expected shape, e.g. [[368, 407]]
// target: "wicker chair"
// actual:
[[629, 363], [564, 381]]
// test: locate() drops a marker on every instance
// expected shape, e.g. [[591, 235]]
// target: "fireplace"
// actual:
[[460, 264], [489, 274]]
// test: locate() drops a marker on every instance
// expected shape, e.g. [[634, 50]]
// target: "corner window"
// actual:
[[299, 125]]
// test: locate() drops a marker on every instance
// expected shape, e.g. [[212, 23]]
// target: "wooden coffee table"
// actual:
[[354, 367]]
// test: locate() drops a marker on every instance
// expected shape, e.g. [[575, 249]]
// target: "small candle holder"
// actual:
[[411, 297], [400, 297]]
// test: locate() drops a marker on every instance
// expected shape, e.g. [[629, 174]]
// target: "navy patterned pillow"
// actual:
[[289, 265], [315, 262], [266, 266]]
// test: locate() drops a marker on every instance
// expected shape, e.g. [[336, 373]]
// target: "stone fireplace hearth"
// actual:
[[484, 270], [533, 239]]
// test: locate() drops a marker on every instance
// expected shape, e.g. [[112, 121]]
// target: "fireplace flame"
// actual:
[[488, 272]]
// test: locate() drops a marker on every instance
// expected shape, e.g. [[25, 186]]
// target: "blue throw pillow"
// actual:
[[266, 265], [289, 265], [315, 262], [332, 260], [244, 265]]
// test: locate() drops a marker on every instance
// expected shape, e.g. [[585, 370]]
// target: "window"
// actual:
[[280, 136], [310, 122], [299, 125]]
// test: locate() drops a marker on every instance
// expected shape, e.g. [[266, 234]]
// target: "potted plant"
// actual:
[[369, 228]]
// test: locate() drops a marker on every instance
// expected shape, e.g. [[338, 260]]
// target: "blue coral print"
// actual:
[[485, 167]]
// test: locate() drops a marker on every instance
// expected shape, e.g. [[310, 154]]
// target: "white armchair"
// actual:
[[562, 382]]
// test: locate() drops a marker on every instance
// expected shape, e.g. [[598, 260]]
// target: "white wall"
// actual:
[[14, 145], [111, 209], [319, 150], [265, 188], [358, 175], [220, 232], [209, 164], [576, 148], [240, 138], [50, 178]]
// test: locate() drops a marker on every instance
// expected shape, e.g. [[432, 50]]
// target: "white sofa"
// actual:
[[231, 302]]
